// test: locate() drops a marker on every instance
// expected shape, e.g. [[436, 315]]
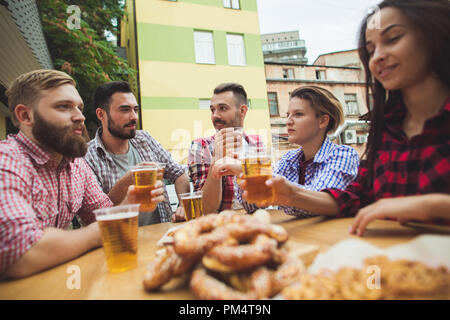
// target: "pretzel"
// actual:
[[229, 258], [200, 235], [239, 251], [167, 264], [206, 287], [287, 273], [196, 237], [400, 279]]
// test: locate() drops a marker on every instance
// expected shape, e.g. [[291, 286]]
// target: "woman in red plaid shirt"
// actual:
[[405, 48]]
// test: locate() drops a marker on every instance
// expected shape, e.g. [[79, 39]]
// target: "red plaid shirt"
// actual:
[[36, 194], [403, 167], [199, 161]]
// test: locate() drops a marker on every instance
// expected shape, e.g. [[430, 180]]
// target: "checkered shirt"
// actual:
[[334, 166], [199, 162], [149, 149], [36, 193], [403, 167]]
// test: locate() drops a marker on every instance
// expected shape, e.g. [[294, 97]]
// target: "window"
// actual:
[[288, 73], [320, 75], [204, 47], [236, 50], [351, 105], [273, 104], [232, 4], [204, 104]]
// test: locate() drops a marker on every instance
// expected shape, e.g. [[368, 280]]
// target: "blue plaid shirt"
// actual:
[[334, 166]]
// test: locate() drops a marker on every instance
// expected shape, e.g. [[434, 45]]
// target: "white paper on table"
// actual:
[[431, 250], [167, 238]]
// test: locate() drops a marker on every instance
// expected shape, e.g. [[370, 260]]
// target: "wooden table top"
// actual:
[[97, 283]]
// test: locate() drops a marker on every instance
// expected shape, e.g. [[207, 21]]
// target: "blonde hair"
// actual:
[[323, 102], [26, 88]]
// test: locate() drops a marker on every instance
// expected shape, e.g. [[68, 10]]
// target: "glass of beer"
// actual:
[[192, 204], [145, 177], [119, 230], [161, 168], [256, 169]]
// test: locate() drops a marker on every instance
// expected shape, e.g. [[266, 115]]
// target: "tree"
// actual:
[[85, 52]]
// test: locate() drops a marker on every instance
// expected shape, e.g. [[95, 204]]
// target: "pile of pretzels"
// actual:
[[229, 256]]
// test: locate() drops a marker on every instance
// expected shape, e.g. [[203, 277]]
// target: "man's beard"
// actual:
[[236, 122], [59, 139], [120, 132]]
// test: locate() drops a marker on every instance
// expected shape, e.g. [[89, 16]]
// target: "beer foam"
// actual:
[[117, 216]]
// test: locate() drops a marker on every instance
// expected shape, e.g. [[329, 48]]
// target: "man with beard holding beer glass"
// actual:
[[44, 182], [313, 113], [228, 107], [118, 146]]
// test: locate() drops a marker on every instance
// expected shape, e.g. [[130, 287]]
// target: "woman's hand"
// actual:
[[421, 208], [179, 215], [283, 191]]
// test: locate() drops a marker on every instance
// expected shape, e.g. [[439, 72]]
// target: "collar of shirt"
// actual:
[[138, 140], [98, 143], [37, 153], [394, 118], [321, 155]]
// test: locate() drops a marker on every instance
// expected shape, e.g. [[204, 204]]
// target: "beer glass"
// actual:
[[192, 204], [145, 177], [119, 230], [161, 168], [159, 165], [242, 146], [256, 169]]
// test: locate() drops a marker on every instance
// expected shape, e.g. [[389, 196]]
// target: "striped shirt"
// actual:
[[334, 166], [199, 162], [149, 149], [36, 193]]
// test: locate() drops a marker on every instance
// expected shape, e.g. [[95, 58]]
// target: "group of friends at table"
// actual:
[[50, 174]]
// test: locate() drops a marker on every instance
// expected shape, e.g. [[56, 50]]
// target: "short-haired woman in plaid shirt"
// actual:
[[405, 49], [313, 112]]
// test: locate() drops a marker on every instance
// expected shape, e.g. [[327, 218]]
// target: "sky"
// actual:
[[325, 25]]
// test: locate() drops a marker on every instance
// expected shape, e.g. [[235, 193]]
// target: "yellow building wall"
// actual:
[[174, 127]]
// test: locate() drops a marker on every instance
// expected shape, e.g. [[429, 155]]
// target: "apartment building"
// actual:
[[284, 47]]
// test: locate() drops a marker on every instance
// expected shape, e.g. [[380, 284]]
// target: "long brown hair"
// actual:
[[432, 17]]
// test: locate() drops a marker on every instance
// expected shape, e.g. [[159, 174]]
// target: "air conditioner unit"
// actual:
[[349, 136], [362, 139]]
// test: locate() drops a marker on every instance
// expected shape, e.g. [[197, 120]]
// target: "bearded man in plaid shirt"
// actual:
[[44, 182], [229, 107]]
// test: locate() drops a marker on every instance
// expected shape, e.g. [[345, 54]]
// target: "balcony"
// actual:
[[284, 46]]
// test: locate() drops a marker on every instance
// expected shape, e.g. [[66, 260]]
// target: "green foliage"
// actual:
[[85, 53]]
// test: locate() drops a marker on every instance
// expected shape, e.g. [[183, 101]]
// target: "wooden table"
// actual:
[[98, 283]]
